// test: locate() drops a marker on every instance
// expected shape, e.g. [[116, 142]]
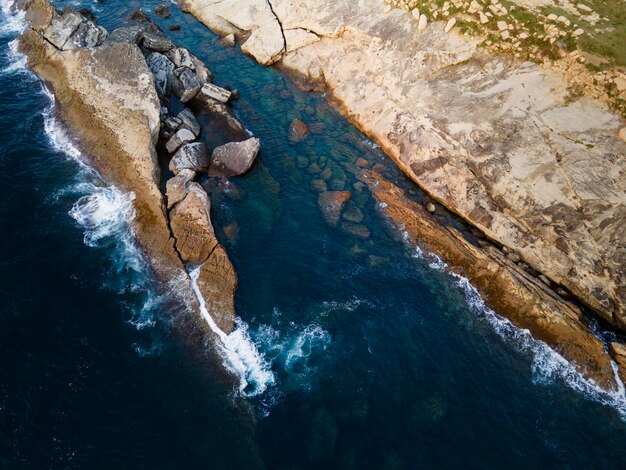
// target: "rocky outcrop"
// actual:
[[109, 96], [234, 158], [504, 286], [331, 204], [503, 144], [190, 220]]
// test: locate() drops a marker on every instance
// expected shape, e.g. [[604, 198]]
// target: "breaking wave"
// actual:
[[547, 366]]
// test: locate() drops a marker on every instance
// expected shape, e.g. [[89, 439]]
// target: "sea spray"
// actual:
[[547, 365], [238, 350]]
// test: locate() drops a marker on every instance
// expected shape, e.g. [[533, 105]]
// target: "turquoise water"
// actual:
[[370, 354]]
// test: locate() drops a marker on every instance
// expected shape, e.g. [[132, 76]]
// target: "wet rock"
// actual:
[[229, 40], [234, 158], [190, 221], [176, 186], [231, 231], [362, 162], [180, 138], [62, 27], [139, 15], [217, 282], [331, 203], [190, 156], [298, 130], [188, 121], [162, 69], [88, 14], [156, 43], [181, 57], [210, 91], [174, 27], [353, 214], [163, 11], [618, 352], [185, 84], [222, 116], [358, 230]]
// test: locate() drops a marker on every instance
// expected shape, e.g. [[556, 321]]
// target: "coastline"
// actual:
[[484, 167]]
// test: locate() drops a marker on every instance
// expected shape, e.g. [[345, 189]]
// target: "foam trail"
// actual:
[[547, 365], [13, 21], [239, 352]]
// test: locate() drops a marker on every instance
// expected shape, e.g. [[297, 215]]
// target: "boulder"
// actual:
[[190, 221], [298, 130], [176, 186], [188, 121], [202, 71], [358, 230], [234, 158], [162, 69], [174, 27], [210, 91], [181, 137], [130, 35], [186, 84], [190, 156], [87, 35], [62, 27], [181, 57], [171, 124], [156, 43], [217, 282], [354, 215], [331, 203]]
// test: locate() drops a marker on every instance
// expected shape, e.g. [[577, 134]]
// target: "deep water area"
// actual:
[[361, 351]]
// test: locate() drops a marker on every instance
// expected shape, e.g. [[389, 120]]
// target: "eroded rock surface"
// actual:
[[503, 144]]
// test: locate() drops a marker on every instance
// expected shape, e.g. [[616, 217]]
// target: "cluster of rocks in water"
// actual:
[[181, 80]]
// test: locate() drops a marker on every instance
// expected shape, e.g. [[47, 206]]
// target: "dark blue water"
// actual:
[[371, 354]]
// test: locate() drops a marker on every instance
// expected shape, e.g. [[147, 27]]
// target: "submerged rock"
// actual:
[[331, 203], [234, 158], [190, 221], [190, 156], [298, 130], [163, 11]]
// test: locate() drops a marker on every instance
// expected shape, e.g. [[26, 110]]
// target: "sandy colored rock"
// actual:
[[217, 281], [618, 352], [298, 130], [501, 143], [190, 220], [331, 203], [177, 186], [505, 287]]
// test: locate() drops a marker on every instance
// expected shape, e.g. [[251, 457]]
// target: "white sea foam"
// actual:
[[12, 22], [547, 366], [238, 350]]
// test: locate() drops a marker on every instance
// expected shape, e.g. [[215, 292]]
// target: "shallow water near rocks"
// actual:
[[369, 354]]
